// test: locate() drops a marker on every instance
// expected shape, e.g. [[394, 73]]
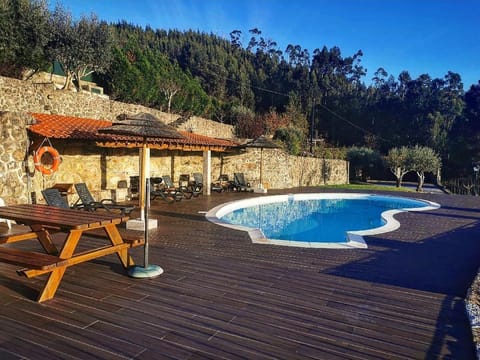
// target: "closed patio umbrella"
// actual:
[[147, 127], [262, 143]]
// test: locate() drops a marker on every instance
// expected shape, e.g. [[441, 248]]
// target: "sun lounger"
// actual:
[[240, 183], [89, 203]]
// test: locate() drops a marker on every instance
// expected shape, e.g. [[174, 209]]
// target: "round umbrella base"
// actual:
[[141, 272]]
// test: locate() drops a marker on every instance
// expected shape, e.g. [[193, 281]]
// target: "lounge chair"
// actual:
[[133, 190], [53, 197], [222, 184], [177, 193], [240, 183], [90, 204], [157, 189], [197, 184], [188, 186]]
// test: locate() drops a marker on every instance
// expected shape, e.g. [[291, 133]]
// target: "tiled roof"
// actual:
[[70, 127]]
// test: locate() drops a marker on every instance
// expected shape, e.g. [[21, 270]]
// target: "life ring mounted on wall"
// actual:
[[37, 159]]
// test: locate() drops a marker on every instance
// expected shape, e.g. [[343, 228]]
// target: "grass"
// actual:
[[372, 187]]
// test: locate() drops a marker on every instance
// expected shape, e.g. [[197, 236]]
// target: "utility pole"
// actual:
[[311, 126]]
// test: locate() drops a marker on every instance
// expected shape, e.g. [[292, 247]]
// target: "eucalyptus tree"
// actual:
[[235, 38], [81, 47], [446, 106], [464, 139], [338, 93]]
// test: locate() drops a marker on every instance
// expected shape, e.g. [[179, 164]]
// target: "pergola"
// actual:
[[63, 127]]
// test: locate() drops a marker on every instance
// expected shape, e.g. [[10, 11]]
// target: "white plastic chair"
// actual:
[[9, 223]]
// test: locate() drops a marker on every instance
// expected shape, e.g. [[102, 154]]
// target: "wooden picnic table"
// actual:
[[41, 221]]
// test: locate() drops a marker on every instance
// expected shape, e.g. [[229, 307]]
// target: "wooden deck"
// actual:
[[222, 297]]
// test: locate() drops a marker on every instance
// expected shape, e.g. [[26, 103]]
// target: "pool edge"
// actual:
[[355, 239]]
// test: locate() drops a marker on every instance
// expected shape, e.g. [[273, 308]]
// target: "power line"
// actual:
[[352, 124], [286, 95], [249, 85]]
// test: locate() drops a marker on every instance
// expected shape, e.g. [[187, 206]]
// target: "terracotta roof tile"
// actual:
[[70, 127]]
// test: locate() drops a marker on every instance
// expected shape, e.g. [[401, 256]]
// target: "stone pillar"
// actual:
[[207, 172], [15, 185]]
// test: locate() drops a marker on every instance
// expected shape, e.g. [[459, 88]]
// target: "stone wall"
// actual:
[[104, 168], [28, 96]]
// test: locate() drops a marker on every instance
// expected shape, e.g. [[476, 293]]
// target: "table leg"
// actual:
[[55, 277], [51, 286], [45, 239], [116, 239]]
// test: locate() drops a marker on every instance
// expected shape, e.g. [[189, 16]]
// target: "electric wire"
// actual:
[[286, 95]]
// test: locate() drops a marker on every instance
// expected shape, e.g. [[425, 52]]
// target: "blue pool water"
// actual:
[[317, 220]]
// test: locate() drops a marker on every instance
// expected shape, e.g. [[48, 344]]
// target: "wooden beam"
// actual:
[[162, 146]]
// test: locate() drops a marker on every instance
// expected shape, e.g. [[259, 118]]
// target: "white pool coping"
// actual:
[[355, 239]]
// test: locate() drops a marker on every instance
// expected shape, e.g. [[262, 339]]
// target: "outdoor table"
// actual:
[[42, 220]]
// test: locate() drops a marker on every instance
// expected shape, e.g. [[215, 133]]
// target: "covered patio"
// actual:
[[222, 297], [69, 129]]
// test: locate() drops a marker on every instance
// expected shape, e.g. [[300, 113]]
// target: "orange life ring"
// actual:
[[37, 159]]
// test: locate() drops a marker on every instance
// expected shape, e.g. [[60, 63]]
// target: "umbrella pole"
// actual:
[[143, 176], [261, 169], [145, 228], [148, 270]]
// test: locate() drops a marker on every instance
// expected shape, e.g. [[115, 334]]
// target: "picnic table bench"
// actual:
[[39, 221]]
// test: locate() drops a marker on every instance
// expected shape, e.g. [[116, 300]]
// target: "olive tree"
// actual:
[[292, 138], [398, 162], [422, 160], [362, 160], [80, 47], [23, 37]]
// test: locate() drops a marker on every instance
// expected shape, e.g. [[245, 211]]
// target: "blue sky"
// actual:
[[420, 36]]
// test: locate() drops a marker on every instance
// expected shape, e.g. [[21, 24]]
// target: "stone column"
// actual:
[[14, 184], [207, 172]]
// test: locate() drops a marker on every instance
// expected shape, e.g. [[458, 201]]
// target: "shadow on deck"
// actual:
[[223, 297]]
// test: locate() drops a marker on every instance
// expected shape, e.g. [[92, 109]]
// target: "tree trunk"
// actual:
[[398, 174], [421, 180], [68, 80], [78, 84], [399, 182], [170, 97]]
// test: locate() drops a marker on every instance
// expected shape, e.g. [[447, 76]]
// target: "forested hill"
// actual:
[[252, 84], [248, 81]]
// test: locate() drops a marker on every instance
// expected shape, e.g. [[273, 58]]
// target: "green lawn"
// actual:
[[372, 187]]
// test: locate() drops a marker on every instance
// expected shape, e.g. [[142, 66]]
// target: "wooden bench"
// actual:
[[41, 261], [133, 238], [16, 233], [29, 259]]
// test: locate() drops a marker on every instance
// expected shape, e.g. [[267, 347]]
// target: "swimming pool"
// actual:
[[322, 220]]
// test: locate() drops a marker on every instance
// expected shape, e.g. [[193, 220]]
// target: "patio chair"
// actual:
[[53, 197], [222, 184], [240, 183], [90, 204], [133, 189], [186, 185], [197, 184], [169, 188], [157, 189]]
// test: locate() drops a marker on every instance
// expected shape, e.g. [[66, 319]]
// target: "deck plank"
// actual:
[[222, 297]]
